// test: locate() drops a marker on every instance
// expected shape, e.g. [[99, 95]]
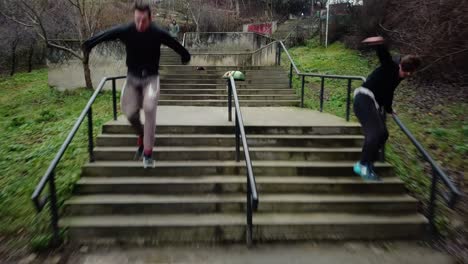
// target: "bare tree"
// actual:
[[58, 20]]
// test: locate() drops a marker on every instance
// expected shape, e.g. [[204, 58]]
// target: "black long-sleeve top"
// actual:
[[143, 48], [384, 80]]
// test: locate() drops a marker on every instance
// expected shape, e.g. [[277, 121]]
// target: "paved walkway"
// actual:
[[321, 253]]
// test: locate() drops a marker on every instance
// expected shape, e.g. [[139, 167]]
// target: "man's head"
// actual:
[[142, 14], [174, 21], [408, 65]]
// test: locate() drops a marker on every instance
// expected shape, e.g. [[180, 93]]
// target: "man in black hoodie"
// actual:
[[377, 93], [142, 40]]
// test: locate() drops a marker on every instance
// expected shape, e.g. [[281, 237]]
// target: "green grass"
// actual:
[[440, 126], [34, 122]]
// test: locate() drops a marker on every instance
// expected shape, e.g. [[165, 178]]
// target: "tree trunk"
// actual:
[[31, 52], [87, 72], [13, 59], [237, 8]]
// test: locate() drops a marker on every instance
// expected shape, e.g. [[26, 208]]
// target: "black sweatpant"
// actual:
[[373, 126]]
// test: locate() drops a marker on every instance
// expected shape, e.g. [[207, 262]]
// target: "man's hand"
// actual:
[[186, 60], [373, 41]]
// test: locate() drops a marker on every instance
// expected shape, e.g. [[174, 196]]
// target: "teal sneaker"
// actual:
[[366, 172]]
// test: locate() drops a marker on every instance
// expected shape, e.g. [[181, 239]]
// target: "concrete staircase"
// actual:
[[302, 162], [187, 86], [196, 193]]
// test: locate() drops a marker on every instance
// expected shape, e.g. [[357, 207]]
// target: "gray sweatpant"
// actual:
[[141, 93]]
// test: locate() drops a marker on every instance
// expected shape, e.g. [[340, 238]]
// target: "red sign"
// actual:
[[265, 28]]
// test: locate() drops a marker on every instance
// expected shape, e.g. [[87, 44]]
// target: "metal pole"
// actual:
[[348, 99], [237, 139], [326, 26], [90, 135], [249, 213], [279, 54], [229, 100], [322, 87], [54, 211], [384, 119], [302, 92], [432, 204], [114, 99], [290, 75]]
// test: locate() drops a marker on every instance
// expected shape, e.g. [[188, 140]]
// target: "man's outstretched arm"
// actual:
[[169, 41], [384, 55], [106, 35]]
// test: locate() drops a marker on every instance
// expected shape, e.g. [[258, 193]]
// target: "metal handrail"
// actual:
[[437, 172], [49, 176], [252, 194], [350, 78], [451, 201]]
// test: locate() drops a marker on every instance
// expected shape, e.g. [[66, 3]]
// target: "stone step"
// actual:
[[236, 183], [221, 68], [245, 103], [220, 81], [197, 76], [197, 168], [172, 153], [223, 97], [157, 204], [221, 71], [119, 127], [224, 91], [225, 140], [202, 86], [232, 227]]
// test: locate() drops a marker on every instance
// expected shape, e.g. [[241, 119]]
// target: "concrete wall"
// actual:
[[231, 59], [225, 41], [66, 72], [265, 56]]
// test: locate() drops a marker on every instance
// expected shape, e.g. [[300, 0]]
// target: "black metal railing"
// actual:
[[302, 75], [252, 195], [451, 196], [49, 176]]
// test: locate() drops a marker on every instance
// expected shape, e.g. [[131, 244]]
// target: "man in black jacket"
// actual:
[[377, 93], [142, 40]]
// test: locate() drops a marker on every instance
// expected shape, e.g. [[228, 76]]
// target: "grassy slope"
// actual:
[[440, 125], [34, 122]]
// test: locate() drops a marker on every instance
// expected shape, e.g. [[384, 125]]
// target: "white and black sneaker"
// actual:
[[148, 162]]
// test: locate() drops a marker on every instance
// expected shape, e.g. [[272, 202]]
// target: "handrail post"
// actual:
[[384, 119], [348, 99], [322, 87], [237, 139], [54, 211], [114, 99], [279, 54], [290, 75], [432, 203], [249, 213], [229, 86], [90, 135], [302, 91]]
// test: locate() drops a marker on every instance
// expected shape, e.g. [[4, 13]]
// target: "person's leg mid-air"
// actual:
[[375, 134], [131, 103], [151, 92]]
